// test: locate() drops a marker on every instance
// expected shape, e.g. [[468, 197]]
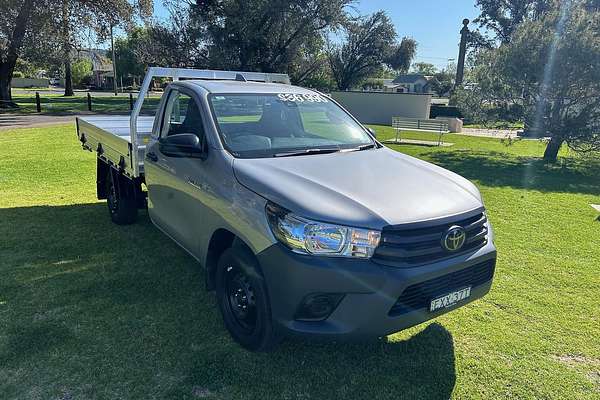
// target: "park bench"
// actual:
[[414, 124]]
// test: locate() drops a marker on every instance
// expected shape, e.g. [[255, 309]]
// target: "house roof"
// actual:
[[408, 78]]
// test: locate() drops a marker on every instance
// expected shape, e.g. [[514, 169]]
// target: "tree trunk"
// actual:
[[5, 77], [68, 78], [7, 66], [67, 49], [551, 152]]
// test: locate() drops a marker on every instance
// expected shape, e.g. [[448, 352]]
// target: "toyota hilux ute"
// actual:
[[306, 224]]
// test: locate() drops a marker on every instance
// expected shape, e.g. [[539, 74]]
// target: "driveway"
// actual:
[[10, 121]]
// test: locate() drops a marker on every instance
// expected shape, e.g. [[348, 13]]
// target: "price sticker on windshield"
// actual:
[[302, 97]]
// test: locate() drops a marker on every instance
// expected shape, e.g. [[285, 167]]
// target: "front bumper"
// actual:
[[370, 290]]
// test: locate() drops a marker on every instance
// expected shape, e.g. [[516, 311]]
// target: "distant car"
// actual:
[[54, 82], [305, 223]]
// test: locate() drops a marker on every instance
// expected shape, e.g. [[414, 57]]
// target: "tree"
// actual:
[[15, 17], [443, 81], [78, 16], [178, 42], [424, 68], [26, 25], [311, 67], [402, 55], [502, 17], [261, 35], [81, 70], [369, 44], [548, 69], [130, 51], [25, 68]]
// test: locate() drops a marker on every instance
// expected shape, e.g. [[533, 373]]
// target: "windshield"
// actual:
[[267, 125]]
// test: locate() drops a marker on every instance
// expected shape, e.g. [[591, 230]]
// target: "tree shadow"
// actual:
[[420, 367], [122, 307], [496, 169]]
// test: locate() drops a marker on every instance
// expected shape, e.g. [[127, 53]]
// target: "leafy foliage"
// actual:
[[402, 54], [370, 43], [263, 35], [424, 68], [442, 82], [503, 17], [54, 28], [81, 70], [547, 69]]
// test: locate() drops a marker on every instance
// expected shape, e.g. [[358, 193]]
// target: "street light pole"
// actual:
[[114, 61]]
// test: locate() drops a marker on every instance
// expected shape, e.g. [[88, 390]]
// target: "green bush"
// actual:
[[81, 71]]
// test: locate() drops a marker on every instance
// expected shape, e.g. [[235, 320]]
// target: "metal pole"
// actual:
[[112, 45], [461, 53]]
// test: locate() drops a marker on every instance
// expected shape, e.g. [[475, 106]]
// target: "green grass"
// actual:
[[91, 310], [58, 104]]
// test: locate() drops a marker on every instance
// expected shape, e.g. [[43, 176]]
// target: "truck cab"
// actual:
[[306, 224]]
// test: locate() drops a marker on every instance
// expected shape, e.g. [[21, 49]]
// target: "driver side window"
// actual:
[[182, 115]]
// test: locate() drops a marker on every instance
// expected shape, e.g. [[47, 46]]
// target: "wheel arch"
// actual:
[[221, 240]]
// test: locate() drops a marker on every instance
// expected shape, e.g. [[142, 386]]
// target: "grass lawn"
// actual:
[[91, 310]]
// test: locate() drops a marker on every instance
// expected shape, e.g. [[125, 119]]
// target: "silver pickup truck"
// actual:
[[305, 223]]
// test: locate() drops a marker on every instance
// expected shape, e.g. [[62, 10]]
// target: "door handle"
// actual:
[[152, 157]]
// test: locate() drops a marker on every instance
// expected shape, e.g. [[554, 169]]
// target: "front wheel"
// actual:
[[244, 302]]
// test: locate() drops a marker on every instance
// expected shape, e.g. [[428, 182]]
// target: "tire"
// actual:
[[243, 300], [122, 206]]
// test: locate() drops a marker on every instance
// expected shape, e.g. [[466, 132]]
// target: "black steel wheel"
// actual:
[[243, 300]]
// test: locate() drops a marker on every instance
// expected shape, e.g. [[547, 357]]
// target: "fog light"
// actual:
[[318, 306]]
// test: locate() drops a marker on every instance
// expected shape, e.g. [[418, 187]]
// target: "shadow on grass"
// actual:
[[496, 169], [89, 305]]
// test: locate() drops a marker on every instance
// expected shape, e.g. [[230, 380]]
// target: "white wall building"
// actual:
[[379, 107]]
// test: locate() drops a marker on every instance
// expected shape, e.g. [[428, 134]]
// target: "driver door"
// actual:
[[169, 204]]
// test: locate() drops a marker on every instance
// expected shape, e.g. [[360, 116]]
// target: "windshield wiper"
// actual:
[[306, 152], [364, 147]]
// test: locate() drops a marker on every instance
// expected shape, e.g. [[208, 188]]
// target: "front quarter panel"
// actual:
[[229, 206]]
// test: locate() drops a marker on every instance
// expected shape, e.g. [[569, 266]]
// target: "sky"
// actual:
[[434, 24]]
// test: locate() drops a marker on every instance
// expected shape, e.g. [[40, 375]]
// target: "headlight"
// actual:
[[311, 237]]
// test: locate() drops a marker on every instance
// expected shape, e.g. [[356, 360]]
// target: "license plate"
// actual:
[[449, 299]]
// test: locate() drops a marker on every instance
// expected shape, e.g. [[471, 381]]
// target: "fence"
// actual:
[[101, 103], [431, 125]]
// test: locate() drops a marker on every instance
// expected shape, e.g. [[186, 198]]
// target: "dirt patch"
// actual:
[[576, 359]]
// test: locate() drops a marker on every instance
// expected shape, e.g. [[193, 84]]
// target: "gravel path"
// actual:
[[496, 133]]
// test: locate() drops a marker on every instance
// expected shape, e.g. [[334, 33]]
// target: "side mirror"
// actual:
[[372, 132], [182, 145]]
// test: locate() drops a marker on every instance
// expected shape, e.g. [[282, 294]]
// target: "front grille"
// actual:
[[408, 246], [419, 296]]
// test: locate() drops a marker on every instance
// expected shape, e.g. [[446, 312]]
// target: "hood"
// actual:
[[369, 188]]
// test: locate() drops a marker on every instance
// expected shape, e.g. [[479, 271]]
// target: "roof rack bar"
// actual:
[[187, 73]]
